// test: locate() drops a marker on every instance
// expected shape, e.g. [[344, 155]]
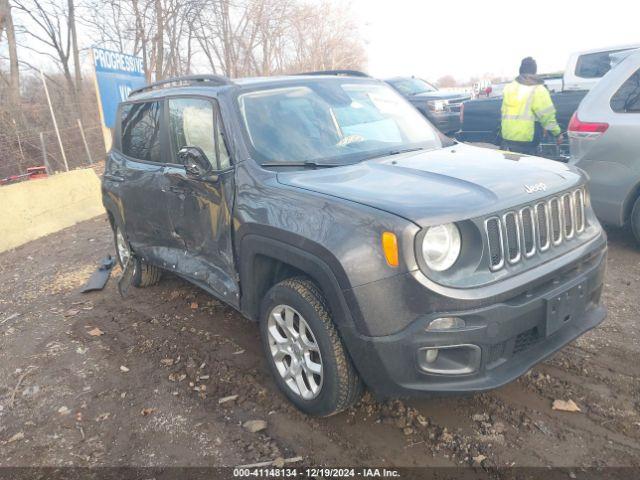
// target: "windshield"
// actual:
[[332, 121], [412, 86]]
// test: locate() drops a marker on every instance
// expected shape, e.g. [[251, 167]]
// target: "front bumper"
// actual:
[[512, 336]]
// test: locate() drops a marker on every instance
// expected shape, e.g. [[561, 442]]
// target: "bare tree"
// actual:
[[124, 26], [111, 22], [217, 33], [271, 18], [47, 26], [6, 23], [265, 37], [159, 39], [74, 43], [235, 38], [173, 37], [141, 38]]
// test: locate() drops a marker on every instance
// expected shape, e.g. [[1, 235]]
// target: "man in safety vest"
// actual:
[[526, 101]]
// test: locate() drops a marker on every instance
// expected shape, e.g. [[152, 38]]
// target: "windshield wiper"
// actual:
[[395, 152], [405, 150], [307, 164], [312, 164]]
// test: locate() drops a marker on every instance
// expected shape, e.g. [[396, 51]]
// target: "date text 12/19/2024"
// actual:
[[270, 472]]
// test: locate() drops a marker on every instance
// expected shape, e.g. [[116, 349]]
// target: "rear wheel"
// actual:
[[635, 220], [305, 354], [145, 274]]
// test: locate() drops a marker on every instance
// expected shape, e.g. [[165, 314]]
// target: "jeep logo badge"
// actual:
[[538, 187]]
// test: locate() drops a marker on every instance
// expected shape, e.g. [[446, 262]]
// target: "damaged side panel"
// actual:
[[208, 277]]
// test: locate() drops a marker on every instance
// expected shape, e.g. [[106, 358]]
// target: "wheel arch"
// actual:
[[266, 260], [113, 206], [629, 202], [111, 218], [115, 221]]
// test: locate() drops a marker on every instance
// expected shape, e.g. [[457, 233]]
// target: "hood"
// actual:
[[448, 184]]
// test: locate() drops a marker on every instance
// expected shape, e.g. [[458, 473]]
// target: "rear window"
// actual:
[[627, 98], [141, 131], [595, 65]]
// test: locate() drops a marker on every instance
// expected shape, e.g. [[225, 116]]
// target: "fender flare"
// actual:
[[307, 256], [114, 212]]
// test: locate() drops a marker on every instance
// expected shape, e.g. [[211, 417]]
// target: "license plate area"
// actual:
[[564, 306]]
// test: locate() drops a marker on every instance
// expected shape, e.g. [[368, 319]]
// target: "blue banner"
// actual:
[[116, 74]]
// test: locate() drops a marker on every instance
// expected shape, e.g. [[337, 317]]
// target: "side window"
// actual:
[[594, 65], [141, 130], [194, 122], [627, 98]]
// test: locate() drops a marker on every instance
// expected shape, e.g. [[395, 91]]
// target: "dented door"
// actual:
[[200, 209], [138, 171]]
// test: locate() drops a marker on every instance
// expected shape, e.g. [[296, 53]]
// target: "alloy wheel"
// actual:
[[295, 351], [123, 248]]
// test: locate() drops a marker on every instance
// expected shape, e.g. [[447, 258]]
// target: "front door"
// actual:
[[200, 209]]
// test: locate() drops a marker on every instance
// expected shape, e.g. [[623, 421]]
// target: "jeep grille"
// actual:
[[519, 234]]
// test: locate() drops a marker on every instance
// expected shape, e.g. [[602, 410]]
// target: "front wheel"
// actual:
[[305, 354], [635, 220]]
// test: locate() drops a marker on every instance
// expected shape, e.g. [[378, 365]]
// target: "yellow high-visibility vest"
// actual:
[[522, 106]]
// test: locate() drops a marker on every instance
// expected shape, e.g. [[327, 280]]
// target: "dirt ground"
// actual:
[[97, 380]]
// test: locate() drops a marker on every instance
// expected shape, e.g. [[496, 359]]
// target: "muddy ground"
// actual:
[[144, 388]]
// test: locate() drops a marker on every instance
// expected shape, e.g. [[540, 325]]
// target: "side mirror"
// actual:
[[194, 160]]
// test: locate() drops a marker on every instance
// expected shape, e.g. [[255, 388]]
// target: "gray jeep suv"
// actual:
[[370, 249]]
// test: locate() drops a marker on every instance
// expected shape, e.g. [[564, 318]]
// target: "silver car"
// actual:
[[604, 137]]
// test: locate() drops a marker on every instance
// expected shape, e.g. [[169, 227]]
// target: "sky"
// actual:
[[430, 39]]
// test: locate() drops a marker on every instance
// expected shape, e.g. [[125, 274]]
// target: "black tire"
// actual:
[[634, 220], [145, 274], [341, 385]]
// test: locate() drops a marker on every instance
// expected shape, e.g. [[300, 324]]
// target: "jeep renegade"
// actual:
[[371, 249]]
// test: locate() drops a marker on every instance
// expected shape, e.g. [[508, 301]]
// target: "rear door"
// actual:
[[141, 167], [200, 209], [624, 141]]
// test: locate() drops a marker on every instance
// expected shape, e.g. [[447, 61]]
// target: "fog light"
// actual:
[[450, 359], [431, 355], [446, 323]]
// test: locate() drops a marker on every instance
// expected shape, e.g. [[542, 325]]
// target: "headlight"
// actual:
[[436, 105], [441, 247]]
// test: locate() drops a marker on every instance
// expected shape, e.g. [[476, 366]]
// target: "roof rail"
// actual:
[[198, 80], [339, 73]]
